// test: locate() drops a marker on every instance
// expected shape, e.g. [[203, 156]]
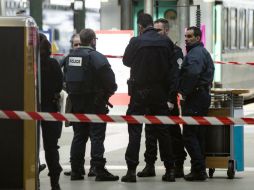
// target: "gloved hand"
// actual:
[[170, 106], [182, 99]]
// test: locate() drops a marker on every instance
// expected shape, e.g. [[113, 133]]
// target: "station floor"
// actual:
[[115, 146], [242, 181]]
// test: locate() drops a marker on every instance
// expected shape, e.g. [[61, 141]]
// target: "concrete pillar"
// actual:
[[183, 11], [148, 7], [126, 14]]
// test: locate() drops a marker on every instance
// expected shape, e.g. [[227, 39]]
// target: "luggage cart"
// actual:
[[224, 144]]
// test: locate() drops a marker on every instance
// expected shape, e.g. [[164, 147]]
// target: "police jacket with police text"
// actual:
[[150, 57], [197, 69], [86, 66]]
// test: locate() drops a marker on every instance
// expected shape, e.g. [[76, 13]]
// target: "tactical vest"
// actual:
[[79, 72]]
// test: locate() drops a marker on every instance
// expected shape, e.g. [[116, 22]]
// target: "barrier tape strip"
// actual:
[[132, 119], [218, 62], [234, 63]]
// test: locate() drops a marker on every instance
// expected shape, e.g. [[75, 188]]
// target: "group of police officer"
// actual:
[[158, 72]]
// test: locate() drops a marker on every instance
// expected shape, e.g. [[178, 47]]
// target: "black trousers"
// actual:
[[82, 131], [177, 142], [196, 104], [51, 132], [160, 132], [78, 146]]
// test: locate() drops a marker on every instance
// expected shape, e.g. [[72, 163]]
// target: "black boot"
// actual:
[[42, 167], [76, 176], [54, 181], [102, 174], [68, 173], [130, 176], [179, 173], [196, 176], [148, 171], [169, 175], [92, 171]]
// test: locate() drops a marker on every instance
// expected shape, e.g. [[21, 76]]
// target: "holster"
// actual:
[[56, 101], [101, 101], [131, 85]]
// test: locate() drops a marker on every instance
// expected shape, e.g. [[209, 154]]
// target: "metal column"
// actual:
[[2, 8], [36, 12], [79, 15]]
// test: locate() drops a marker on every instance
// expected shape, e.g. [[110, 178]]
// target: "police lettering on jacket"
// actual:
[[75, 61]]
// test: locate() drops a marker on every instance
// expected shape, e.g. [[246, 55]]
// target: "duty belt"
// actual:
[[207, 88]]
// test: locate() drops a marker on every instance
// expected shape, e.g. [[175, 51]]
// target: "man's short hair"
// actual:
[[163, 21], [86, 36], [145, 20], [196, 31], [72, 38]]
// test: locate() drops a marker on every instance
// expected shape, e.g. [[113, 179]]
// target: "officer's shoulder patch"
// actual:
[[179, 62], [75, 61]]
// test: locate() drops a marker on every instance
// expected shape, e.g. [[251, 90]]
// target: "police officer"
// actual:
[[51, 86], [194, 88], [162, 26], [149, 57], [75, 43], [90, 82]]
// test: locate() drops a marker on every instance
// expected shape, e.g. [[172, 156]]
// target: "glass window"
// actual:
[[226, 29], [243, 29], [233, 28], [250, 28]]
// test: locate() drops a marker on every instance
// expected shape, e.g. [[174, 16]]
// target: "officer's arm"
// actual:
[[130, 52], [104, 73], [107, 78], [58, 75], [190, 72], [173, 78], [177, 64], [64, 70]]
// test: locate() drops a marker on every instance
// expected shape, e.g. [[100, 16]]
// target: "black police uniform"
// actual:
[[195, 82], [90, 82], [176, 135], [149, 56], [51, 86]]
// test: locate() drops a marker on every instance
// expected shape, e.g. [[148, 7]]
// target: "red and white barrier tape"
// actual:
[[133, 119], [234, 63], [114, 56]]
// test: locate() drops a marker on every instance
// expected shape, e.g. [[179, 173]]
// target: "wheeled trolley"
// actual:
[[224, 144]]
